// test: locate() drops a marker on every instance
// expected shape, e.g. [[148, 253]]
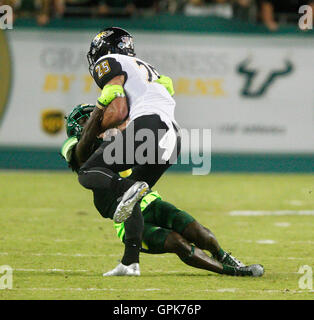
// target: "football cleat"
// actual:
[[122, 270], [231, 261], [129, 199], [254, 270]]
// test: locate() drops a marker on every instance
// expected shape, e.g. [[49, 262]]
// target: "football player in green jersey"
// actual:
[[167, 229]]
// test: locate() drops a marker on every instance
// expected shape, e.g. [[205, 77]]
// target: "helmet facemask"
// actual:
[[74, 125]]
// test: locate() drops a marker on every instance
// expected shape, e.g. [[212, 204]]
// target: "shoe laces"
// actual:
[[233, 259]]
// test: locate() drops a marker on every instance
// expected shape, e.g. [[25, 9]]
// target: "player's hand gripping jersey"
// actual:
[[144, 93]]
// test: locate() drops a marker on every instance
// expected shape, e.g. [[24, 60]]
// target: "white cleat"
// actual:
[[129, 199], [122, 270]]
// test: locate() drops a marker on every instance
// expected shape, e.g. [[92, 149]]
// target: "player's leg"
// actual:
[[206, 240], [191, 254], [195, 257], [133, 227], [202, 237], [147, 145], [170, 217], [157, 155], [184, 224], [95, 175], [161, 218], [158, 240], [148, 173]]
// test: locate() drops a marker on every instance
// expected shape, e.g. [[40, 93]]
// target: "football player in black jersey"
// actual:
[[166, 228]]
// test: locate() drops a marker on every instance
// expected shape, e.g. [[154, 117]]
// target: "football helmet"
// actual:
[[110, 40], [74, 126]]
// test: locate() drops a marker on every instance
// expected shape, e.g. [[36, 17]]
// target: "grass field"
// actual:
[[59, 246]]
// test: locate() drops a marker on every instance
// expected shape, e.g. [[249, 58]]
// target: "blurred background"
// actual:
[[242, 68]]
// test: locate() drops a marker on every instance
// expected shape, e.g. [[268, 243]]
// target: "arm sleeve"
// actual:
[[67, 148], [105, 70], [68, 152]]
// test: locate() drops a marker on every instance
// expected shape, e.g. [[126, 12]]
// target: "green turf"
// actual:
[[47, 222]]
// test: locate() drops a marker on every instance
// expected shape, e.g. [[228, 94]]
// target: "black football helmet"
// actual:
[[110, 40]]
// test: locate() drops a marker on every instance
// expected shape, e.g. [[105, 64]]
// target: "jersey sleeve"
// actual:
[[67, 148], [105, 70], [67, 152]]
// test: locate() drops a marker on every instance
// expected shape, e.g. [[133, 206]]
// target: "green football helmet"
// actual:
[[73, 126]]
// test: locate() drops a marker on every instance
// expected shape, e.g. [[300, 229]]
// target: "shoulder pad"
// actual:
[[106, 68]]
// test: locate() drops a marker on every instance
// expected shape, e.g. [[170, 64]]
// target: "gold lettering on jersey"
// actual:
[[102, 69]]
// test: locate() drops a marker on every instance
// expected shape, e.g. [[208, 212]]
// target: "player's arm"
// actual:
[[111, 109], [114, 103], [110, 77], [86, 146], [102, 118]]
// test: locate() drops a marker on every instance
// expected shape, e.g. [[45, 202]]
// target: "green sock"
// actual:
[[231, 271], [220, 254]]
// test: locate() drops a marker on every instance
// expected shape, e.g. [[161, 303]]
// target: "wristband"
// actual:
[[109, 93]]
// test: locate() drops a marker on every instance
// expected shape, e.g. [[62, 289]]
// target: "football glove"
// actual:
[[167, 83]]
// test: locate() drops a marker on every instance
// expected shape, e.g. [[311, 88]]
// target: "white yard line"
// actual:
[[267, 241], [221, 290], [263, 241], [48, 270], [83, 255], [79, 271], [93, 271], [249, 213], [85, 289], [295, 202], [282, 224], [29, 209], [74, 255]]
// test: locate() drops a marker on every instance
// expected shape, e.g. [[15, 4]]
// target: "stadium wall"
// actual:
[[253, 89]]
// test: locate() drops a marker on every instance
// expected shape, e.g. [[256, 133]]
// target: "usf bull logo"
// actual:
[[5, 73], [259, 80], [52, 121]]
